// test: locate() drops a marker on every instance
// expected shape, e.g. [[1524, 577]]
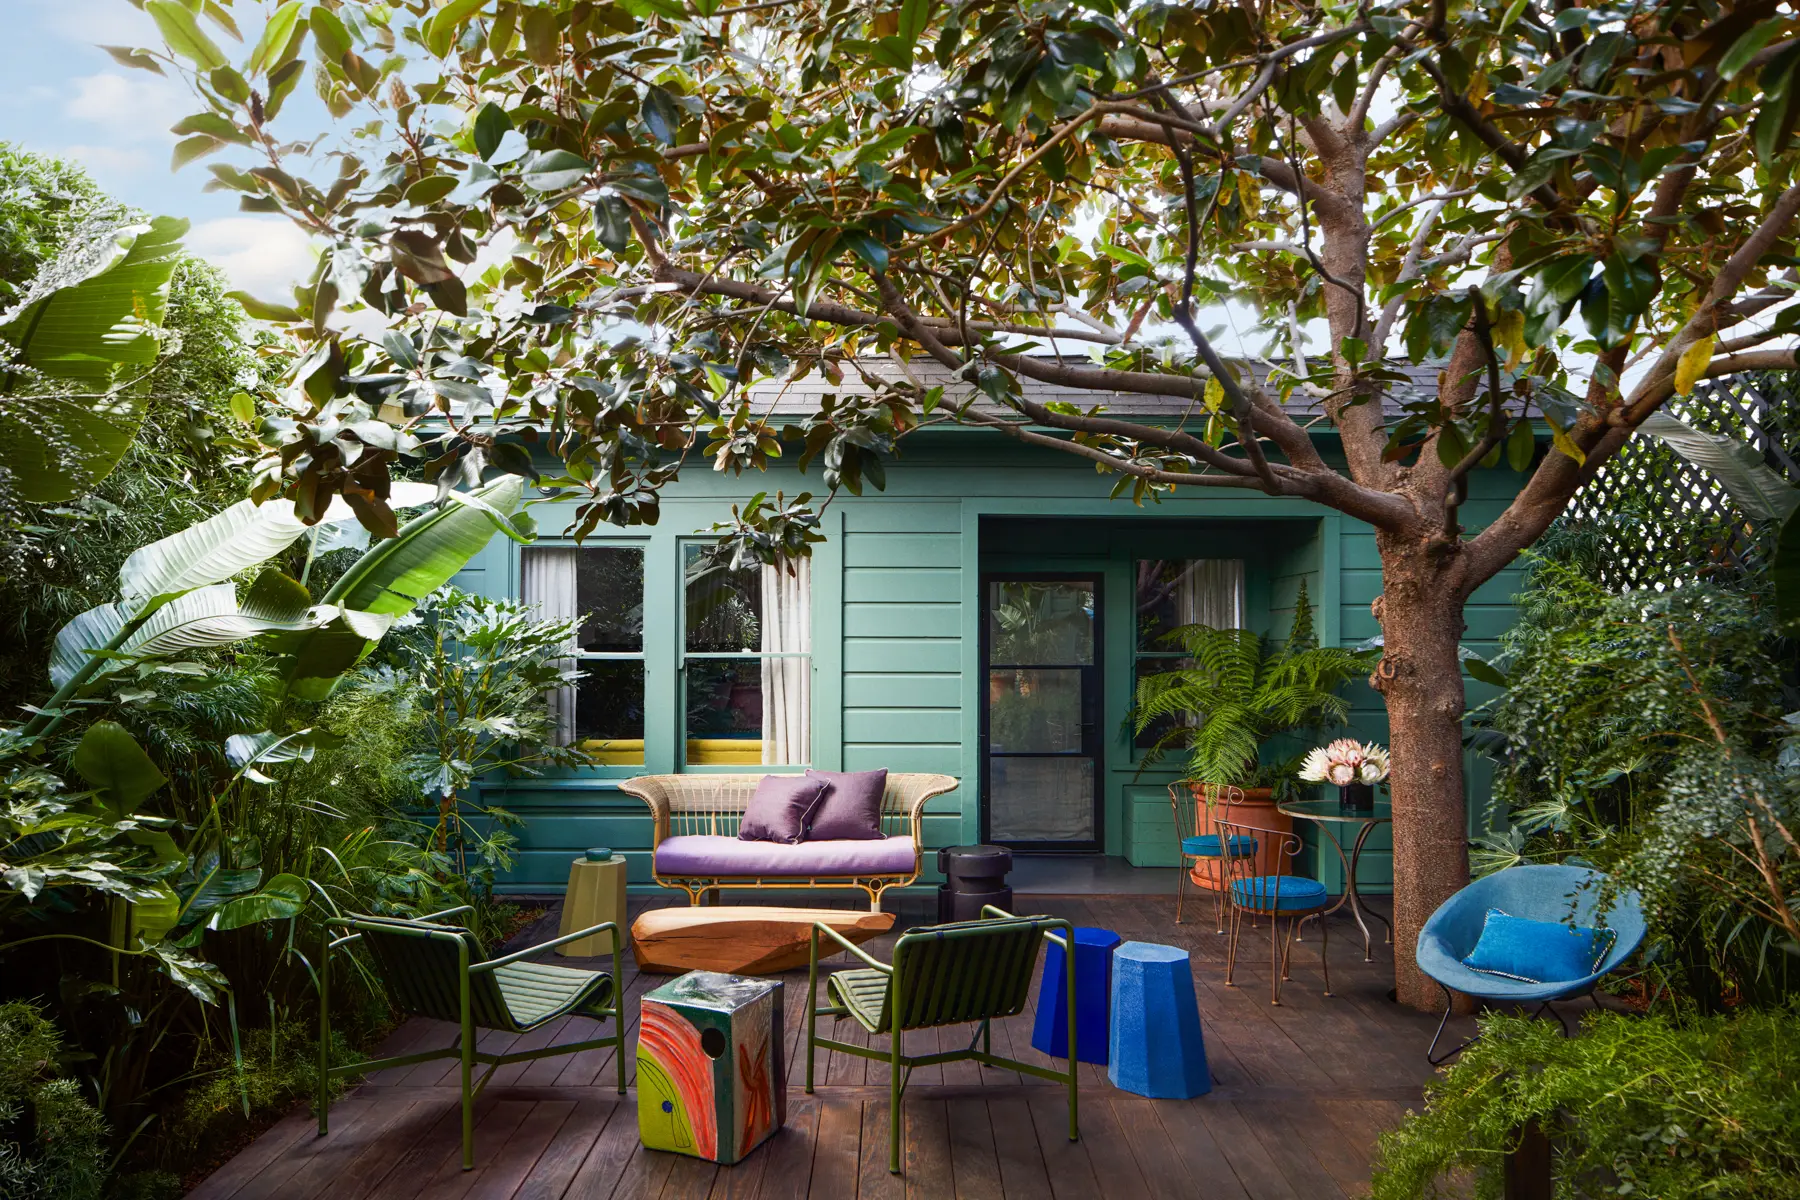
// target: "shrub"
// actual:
[[280, 1067], [1661, 1107], [52, 1141]]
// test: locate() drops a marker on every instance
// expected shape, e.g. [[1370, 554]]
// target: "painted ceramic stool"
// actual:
[[710, 1077], [1156, 1047], [596, 895], [1093, 997]]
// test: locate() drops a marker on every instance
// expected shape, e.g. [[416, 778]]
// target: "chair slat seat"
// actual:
[[865, 993], [538, 992]]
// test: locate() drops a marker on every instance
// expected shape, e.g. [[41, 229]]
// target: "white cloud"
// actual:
[[108, 161], [131, 109], [94, 22], [265, 256]]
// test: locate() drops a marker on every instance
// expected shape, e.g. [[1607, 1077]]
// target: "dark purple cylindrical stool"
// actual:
[[973, 876]]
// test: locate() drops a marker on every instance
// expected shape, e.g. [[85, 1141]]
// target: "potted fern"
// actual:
[[1234, 693]]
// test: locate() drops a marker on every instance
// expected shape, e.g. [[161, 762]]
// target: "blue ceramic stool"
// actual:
[[1156, 1047], [1093, 992]]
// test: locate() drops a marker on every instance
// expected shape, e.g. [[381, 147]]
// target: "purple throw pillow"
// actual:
[[779, 809], [851, 809]]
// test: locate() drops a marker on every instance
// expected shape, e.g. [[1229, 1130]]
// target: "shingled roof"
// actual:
[[797, 397]]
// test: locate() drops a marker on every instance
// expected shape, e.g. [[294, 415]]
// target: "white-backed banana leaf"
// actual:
[[1759, 491], [202, 619], [98, 307], [395, 575]]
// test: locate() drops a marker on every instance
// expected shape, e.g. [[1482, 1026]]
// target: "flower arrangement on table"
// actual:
[[1354, 767]]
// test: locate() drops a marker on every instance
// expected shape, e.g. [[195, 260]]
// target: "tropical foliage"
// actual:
[[52, 1140], [1237, 691], [1676, 1108]]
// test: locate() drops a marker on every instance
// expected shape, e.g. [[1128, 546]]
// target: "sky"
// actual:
[[61, 94]]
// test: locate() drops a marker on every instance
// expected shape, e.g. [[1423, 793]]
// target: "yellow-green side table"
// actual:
[[596, 894]]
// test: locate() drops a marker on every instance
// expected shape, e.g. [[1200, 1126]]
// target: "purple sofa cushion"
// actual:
[[780, 808], [851, 808], [713, 854]]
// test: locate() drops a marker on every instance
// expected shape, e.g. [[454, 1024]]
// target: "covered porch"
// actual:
[[1301, 1093]]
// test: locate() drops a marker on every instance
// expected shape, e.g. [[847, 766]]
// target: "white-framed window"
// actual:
[[746, 661], [602, 585]]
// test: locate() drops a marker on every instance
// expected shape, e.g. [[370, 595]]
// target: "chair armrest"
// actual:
[[506, 960], [448, 912], [649, 789], [820, 927]]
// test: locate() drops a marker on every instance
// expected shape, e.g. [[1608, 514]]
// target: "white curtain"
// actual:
[[1211, 592], [787, 682], [549, 584]]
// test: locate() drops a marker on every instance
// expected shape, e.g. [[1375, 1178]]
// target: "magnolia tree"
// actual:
[[592, 225]]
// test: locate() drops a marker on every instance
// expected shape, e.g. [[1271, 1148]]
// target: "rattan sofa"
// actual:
[[695, 846]]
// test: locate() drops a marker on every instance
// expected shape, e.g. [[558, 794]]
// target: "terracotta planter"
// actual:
[[1256, 808]]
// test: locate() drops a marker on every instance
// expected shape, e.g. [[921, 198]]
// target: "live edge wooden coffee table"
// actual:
[[741, 939]]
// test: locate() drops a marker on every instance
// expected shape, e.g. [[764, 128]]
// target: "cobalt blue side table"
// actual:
[[1156, 1046], [1093, 995]]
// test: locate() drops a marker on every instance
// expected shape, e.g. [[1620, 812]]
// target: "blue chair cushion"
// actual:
[[1206, 845], [1537, 951], [1291, 892]]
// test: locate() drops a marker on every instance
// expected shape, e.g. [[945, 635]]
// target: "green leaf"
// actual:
[[77, 642], [282, 897], [110, 759], [491, 124], [272, 47], [1482, 671], [189, 149], [554, 170], [441, 30], [96, 309], [1749, 44], [867, 249], [264, 310], [209, 617], [661, 115], [329, 34], [612, 222], [914, 15], [212, 125], [393, 577], [184, 35], [1784, 573], [430, 190], [1521, 446], [1759, 492]]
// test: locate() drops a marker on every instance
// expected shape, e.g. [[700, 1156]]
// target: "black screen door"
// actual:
[[1040, 717]]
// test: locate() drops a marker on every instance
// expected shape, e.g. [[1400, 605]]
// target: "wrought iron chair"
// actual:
[[1274, 896], [941, 975], [1196, 847], [436, 970]]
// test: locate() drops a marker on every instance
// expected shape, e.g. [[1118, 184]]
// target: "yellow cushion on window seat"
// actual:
[[717, 752], [614, 752]]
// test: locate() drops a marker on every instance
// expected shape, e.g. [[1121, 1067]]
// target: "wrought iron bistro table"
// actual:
[[1329, 813]]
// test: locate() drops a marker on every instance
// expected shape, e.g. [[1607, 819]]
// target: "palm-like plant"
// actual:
[[1237, 690]]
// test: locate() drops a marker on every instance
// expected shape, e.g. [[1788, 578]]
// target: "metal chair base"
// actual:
[[1438, 1060]]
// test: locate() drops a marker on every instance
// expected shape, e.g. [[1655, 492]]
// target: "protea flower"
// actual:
[[1345, 761]]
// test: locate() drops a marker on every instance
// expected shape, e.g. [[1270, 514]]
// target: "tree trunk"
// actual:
[[1420, 677]]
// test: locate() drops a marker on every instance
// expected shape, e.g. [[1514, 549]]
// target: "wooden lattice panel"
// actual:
[[1665, 521]]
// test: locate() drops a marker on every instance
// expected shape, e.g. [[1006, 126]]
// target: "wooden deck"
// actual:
[[1300, 1093]]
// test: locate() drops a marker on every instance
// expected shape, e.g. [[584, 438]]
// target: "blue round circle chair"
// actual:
[[1543, 892]]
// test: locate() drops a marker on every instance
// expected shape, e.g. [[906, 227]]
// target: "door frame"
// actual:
[[1093, 702]]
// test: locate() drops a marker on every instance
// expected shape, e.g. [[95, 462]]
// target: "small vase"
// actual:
[[1357, 798]]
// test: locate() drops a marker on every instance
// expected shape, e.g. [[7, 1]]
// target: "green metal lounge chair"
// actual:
[[941, 975], [436, 970]]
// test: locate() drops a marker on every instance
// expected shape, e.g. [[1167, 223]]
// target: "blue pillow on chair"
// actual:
[[1537, 951]]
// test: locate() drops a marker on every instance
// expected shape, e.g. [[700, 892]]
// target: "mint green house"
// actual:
[[984, 617]]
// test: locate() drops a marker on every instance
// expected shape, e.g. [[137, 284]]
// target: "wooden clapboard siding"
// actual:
[[896, 610]]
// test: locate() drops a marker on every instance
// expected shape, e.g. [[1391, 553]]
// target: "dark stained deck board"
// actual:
[[1302, 1091]]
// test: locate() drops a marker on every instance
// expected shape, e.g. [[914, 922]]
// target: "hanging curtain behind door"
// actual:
[[1211, 592]]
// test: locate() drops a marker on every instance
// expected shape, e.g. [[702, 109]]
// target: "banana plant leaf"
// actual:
[[395, 575], [277, 900], [1758, 490], [95, 309]]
